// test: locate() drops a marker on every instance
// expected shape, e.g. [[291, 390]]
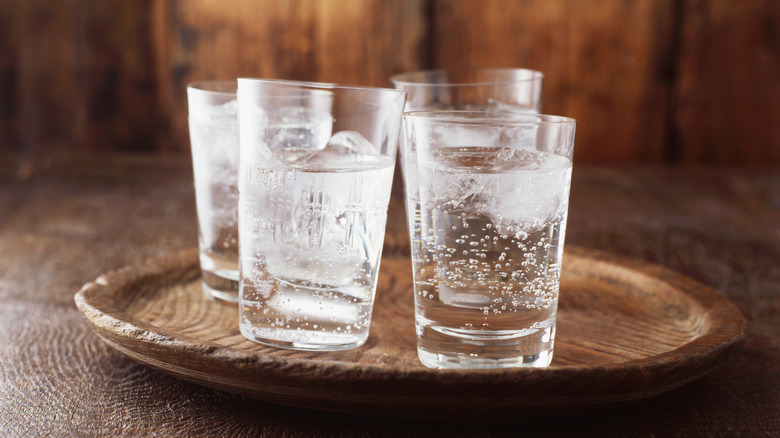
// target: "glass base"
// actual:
[[221, 285], [447, 349], [464, 361], [303, 340]]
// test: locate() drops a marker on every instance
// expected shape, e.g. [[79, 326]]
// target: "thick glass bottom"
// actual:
[[221, 285], [532, 348], [303, 339]]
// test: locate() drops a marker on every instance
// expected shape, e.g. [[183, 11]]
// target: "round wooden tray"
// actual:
[[627, 330]]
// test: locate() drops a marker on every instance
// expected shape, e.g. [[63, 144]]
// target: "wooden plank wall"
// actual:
[[650, 81]]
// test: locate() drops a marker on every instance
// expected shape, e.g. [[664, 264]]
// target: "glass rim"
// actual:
[[215, 87], [470, 117], [404, 79], [321, 85]]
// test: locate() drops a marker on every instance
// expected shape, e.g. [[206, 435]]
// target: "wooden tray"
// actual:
[[627, 330]]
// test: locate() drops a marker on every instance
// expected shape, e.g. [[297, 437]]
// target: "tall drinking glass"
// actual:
[[213, 120], [473, 89], [315, 176], [492, 191]]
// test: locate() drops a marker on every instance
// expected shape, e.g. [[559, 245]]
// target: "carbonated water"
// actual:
[[487, 263], [214, 140], [310, 256]]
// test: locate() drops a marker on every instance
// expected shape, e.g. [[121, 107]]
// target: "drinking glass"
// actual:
[[315, 176], [491, 191], [213, 120], [474, 89]]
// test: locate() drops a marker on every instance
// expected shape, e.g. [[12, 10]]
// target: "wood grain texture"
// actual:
[[650, 81], [76, 78], [349, 42], [64, 228], [80, 77], [601, 63], [626, 331], [729, 73]]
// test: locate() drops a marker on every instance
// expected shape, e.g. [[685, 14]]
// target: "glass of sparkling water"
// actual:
[[491, 192], [315, 177], [213, 120], [474, 89]]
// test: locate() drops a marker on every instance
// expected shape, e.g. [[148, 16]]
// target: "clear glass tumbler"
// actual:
[[492, 191], [473, 89], [213, 120], [315, 175]]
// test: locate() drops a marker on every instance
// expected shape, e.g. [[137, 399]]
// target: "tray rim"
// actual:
[[96, 302]]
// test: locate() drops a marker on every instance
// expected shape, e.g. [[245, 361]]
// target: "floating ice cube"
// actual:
[[509, 159], [515, 189], [345, 149], [497, 106], [253, 133], [223, 113], [530, 190], [214, 131], [214, 142], [298, 128], [352, 142]]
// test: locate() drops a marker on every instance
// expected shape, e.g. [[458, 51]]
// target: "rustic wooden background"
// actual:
[[650, 81]]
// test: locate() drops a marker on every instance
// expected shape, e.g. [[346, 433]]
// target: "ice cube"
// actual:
[[497, 106], [515, 189], [298, 128], [215, 147], [352, 142], [510, 158], [531, 195], [345, 149], [253, 134], [225, 113]]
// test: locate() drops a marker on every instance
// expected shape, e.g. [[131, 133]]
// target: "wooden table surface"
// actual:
[[62, 227]]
